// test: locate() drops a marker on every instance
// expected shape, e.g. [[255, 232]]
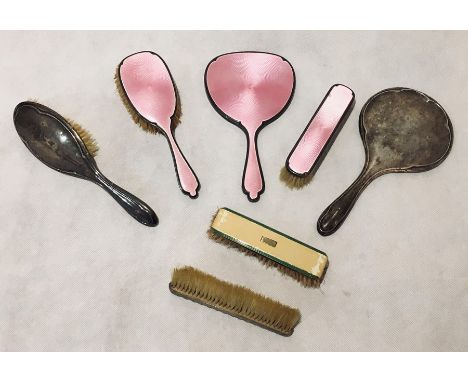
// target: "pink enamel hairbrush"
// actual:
[[250, 90], [148, 91], [312, 146]]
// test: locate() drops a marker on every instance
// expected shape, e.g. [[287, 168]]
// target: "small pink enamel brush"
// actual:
[[315, 141], [148, 91]]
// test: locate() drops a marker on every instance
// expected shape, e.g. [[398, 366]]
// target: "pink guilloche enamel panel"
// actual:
[[149, 87], [250, 88], [320, 129]]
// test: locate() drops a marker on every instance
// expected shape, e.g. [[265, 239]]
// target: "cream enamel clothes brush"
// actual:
[[312, 146], [250, 90], [148, 91], [304, 263]]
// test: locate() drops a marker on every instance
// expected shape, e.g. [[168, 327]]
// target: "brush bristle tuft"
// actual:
[[177, 117], [135, 116], [235, 300], [85, 136], [293, 181]]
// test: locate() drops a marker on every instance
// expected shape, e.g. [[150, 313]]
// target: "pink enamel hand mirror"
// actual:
[[250, 90], [148, 91]]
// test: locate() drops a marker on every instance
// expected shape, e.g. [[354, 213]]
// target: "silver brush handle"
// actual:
[[135, 207]]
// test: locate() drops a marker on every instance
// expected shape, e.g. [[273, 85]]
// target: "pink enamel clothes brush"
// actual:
[[250, 90], [149, 93], [315, 141]]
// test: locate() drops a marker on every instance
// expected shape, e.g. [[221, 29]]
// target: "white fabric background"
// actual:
[[77, 273]]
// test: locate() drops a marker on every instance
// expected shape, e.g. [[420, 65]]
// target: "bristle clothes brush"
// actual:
[[305, 264], [312, 146], [237, 301], [65, 146], [148, 91]]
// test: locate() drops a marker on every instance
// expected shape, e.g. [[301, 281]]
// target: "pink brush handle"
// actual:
[[253, 179], [187, 179]]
